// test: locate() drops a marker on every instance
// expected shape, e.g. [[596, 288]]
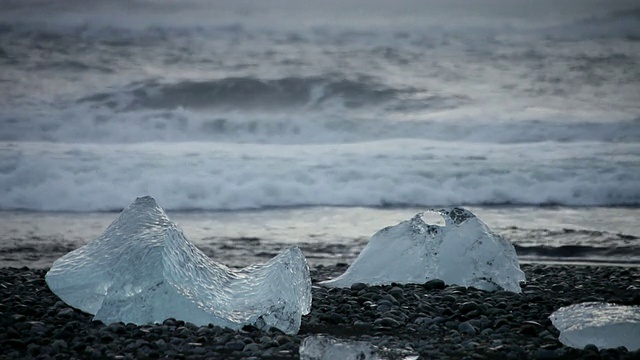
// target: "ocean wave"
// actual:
[[248, 93], [89, 123], [623, 24], [205, 176]]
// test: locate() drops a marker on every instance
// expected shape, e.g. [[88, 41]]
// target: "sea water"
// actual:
[[337, 118]]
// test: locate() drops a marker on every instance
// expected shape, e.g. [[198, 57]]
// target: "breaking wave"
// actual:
[[617, 24], [248, 93], [87, 124], [208, 176]]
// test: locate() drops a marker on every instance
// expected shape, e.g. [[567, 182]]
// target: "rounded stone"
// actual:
[[107, 338], [384, 305], [591, 347], [449, 298], [66, 313], [466, 328], [387, 322], [18, 317], [501, 322], [335, 318], [474, 313], [358, 286], [282, 339], [117, 328], [235, 345], [529, 330], [59, 345], [468, 306], [199, 350], [253, 347], [396, 292], [435, 284]]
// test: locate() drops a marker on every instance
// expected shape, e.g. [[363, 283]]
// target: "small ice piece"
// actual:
[[320, 347], [143, 270], [323, 347], [463, 252], [601, 324]]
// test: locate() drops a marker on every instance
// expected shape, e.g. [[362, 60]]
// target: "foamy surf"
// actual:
[[218, 176]]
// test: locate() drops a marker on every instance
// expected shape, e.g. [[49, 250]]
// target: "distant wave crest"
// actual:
[[247, 93]]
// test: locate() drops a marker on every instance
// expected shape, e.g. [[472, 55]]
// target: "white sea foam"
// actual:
[[218, 176], [87, 124]]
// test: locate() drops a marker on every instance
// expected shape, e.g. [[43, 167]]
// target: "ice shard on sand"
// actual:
[[601, 324], [143, 270], [323, 347], [463, 252], [320, 347]]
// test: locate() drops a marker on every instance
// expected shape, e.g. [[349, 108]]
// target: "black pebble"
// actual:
[[435, 284]]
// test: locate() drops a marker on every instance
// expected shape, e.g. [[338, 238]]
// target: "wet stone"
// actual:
[[435, 284], [466, 328], [117, 328], [252, 347], [387, 322], [66, 313], [282, 339], [358, 286], [591, 347], [449, 298], [396, 292], [468, 306], [235, 345], [18, 317]]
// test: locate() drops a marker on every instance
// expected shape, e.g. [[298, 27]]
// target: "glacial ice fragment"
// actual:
[[463, 252], [143, 270], [601, 324], [322, 347]]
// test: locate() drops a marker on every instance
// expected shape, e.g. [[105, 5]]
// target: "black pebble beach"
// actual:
[[431, 320]]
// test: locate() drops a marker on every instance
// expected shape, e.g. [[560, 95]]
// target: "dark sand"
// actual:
[[431, 320]]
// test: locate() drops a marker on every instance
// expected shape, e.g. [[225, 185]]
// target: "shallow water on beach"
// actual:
[[329, 235]]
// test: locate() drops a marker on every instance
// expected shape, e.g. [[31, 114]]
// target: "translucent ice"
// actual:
[[143, 270], [321, 347], [326, 348], [601, 324], [463, 252]]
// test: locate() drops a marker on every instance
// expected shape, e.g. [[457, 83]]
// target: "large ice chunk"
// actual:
[[142, 270], [601, 324], [463, 252]]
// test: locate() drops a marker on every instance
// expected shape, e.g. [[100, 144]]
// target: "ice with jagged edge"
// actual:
[[143, 270], [322, 347], [463, 252], [601, 324]]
